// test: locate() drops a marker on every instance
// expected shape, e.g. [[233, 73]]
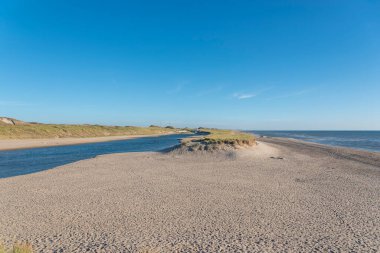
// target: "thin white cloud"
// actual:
[[178, 88], [243, 95]]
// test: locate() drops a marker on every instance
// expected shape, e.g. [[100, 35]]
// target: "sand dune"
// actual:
[[274, 197]]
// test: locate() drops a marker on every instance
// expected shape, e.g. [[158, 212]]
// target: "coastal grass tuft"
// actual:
[[17, 248], [149, 250], [35, 131]]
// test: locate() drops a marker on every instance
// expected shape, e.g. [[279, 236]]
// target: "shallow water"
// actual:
[[365, 140], [25, 161]]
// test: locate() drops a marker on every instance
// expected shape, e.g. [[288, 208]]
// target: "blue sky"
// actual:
[[230, 64]]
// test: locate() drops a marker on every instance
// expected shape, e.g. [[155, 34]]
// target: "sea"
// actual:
[[363, 140]]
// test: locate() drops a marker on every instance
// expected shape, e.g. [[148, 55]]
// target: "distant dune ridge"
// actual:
[[16, 129], [13, 130], [10, 121]]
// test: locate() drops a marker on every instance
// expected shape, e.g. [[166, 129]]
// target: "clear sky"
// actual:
[[234, 64]]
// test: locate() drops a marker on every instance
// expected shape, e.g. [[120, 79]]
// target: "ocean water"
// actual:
[[25, 161], [364, 140]]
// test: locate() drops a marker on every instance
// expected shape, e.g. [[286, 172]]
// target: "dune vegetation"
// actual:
[[216, 139], [35, 131], [17, 248], [227, 137]]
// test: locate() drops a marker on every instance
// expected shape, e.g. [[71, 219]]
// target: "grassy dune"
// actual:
[[35, 131], [227, 137], [216, 139]]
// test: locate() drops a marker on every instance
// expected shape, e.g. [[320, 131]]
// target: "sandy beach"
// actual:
[[279, 196], [11, 144]]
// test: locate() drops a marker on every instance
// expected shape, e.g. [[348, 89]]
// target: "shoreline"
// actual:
[[342, 141], [359, 155], [15, 144]]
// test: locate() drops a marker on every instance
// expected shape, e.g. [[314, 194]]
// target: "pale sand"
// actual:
[[313, 200], [11, 144]]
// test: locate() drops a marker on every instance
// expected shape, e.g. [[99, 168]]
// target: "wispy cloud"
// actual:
[[248, 95], [178, 88], [243, 95]]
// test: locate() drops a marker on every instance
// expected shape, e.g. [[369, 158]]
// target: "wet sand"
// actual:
[[12, 144], [280, 196]]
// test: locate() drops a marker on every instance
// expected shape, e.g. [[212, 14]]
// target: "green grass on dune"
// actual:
[[219, 136], [227, 136], [34, 131]]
